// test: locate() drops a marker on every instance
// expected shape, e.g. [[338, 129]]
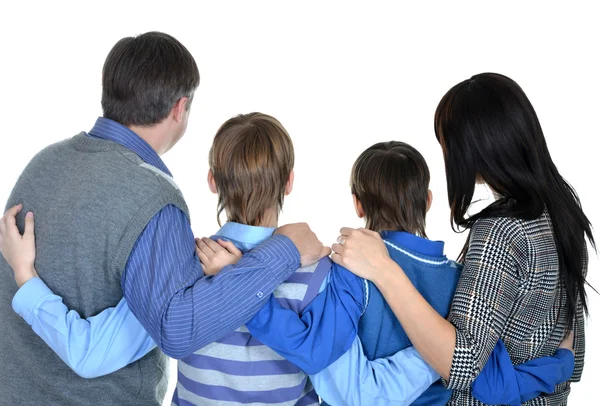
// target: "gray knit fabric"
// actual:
[[92, 199]]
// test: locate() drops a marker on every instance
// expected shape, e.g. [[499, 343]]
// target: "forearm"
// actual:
[[92, 347], [432, 335], [323, 332], [501, 382], [354, 380], [203, 310], [541, 375]]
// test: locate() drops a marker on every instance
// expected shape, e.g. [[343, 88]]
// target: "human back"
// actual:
[[435, 277], [251, 170], [88, 213], [390, 184], [92, 197], [525, 262]]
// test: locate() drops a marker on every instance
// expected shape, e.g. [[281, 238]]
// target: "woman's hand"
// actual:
[[215, 256], [18, 250], [363, 253]]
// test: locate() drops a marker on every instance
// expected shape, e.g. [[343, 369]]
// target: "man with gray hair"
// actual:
[[112, 223]]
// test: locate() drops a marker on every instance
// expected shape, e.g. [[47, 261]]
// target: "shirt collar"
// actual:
[[110, 130], [415, 243], [244, 237]]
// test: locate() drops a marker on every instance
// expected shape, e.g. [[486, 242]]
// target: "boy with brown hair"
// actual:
[[251, 170], [390, 189]]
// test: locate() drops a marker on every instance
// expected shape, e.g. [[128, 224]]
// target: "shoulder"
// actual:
[[49, 154], [504, 231], [500, 239], [498, 226]]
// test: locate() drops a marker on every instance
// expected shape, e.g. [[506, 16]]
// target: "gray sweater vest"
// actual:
[[92, 199]]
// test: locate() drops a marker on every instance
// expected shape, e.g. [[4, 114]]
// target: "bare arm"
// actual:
[[457, 349]]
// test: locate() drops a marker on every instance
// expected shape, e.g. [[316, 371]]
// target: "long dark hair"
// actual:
[[490, 132]]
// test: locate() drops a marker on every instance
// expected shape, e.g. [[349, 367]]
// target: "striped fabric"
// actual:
[[163, 281], [238, 369], [510, 289]]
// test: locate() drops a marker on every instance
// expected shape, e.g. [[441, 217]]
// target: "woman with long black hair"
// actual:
[[525, 261]]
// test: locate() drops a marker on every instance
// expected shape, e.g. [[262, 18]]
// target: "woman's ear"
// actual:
[[212, 185], [358, 207], [290, 183], [429, 200]]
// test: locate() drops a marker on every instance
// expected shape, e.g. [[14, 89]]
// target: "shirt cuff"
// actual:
[[28, 296]]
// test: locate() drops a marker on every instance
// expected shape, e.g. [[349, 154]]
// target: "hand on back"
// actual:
[[216, 255], [305, 240], [362, 252], [18, 250]]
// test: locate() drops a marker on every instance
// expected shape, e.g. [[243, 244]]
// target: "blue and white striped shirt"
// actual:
[[182, 309], [238, 369]]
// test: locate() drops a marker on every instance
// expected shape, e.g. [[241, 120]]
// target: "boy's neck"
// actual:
[[269, 219], [394, 228]]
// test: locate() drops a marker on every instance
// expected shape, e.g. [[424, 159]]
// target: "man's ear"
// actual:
[[358, 207], [212, 185], [290, 183], [179, 109], [429, 200]]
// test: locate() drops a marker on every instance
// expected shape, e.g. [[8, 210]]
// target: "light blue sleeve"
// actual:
[[91, 347], [354, 380]]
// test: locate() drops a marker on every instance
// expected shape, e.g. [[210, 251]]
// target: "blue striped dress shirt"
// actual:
[[182, 309]]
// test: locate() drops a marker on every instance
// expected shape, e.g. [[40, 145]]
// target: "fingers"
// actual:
[[346, 231], [8, 223], [213, 245], [338, 248], [336, 258], [369, 232], [13, 211], [204, 248], [202, 256], [29, 226], [229, 246], [10, 216], [325, 252]]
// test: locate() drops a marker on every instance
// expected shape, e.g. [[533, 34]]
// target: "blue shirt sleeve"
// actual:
[[502, 383], [91, 347], [354, 380], [182, 309], [325, 329]]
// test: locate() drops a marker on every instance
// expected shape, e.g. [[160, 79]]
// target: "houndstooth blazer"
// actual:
[[510, 289]]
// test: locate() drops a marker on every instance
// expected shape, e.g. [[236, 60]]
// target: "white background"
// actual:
[[339, 76]]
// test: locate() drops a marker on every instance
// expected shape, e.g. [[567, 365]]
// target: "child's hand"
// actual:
[[18, 251], [568, 342], [216, 256]]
